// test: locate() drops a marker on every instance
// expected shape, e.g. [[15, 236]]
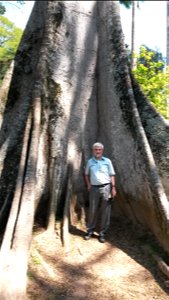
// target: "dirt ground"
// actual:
[[122, 268]]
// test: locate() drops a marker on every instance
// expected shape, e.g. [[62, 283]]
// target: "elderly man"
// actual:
[[100, 181]]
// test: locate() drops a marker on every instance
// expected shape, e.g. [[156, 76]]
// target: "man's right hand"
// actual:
[[88, 187]]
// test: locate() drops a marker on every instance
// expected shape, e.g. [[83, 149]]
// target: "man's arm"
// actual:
[[113, 185], [112, 178], [87, 180]]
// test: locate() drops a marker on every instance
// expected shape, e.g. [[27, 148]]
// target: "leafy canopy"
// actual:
[[128, 3], [3, 8], [152, 78], [10, 37]]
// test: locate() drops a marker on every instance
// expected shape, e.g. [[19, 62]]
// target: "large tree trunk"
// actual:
[[71, 87], [141, 193]]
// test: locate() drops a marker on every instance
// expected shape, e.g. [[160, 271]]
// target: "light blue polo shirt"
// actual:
[[100, 170]]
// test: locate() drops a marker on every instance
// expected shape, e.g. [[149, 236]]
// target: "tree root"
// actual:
[[66, 217], [164, 268], [162, 265]]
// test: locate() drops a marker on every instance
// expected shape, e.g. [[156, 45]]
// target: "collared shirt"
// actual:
[[100, 170]]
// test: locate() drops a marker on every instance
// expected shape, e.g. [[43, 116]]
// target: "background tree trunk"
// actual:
[[4, 88], [71, 76], [133, 34]]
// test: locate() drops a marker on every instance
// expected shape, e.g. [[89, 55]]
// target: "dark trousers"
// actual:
[[99, 207]]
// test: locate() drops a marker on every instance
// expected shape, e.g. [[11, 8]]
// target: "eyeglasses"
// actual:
[[98, 149]]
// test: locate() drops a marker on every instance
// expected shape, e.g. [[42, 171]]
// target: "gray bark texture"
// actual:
[[71, 87]]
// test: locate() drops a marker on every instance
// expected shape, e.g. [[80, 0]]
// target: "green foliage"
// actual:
[[2, 9], [153, 79], [10, 37], [154, 56], [126, 3]]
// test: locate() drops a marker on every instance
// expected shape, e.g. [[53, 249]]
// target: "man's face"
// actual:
[[97, 152]]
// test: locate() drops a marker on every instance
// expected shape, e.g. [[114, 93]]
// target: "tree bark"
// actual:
[[71, 75]]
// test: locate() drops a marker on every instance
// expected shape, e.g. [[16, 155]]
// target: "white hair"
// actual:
[[98, 145]]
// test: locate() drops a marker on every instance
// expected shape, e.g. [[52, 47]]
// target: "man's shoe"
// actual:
[[88, 236], [101, 238]]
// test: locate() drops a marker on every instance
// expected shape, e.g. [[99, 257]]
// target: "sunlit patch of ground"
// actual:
[[117, 270]]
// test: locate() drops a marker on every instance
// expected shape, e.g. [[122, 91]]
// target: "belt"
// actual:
[[101, 185]]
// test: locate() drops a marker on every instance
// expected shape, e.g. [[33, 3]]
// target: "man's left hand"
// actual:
[[113, 192]]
